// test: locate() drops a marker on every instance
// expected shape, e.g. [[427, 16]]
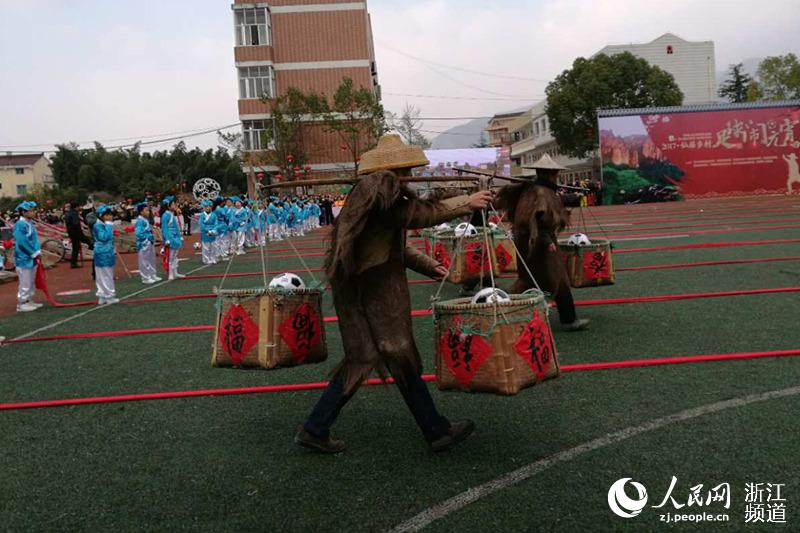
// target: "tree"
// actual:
[[355, 115], [609, 82], [754, 93], [285, 138], [408, 125], [779, 77], [735, 87]]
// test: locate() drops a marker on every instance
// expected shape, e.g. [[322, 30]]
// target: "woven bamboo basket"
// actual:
[[269, 328], [501, 350], [589, 266], [463, 256], [504, 255]]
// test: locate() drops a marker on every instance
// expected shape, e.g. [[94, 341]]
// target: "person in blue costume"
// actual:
[[105, 256], [26, 251], [145, 245], [238, 224], [173, 236], [208, 233], [221, 212]]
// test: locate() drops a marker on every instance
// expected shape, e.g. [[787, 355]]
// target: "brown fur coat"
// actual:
[[537, 215], [366, 266]]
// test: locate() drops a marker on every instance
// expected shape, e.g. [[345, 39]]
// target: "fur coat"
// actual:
[[366, 266], [537, 215]]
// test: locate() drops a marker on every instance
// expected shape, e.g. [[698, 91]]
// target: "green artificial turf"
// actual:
[[228, 463]]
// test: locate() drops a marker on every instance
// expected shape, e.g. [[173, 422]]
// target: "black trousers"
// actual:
[[412, 387], [77, 239], [566, 306]]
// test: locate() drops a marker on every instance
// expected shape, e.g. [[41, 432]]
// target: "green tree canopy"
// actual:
[[130, 172], [603, 82], [779, 77]]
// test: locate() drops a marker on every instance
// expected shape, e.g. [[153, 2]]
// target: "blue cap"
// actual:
[[103, 209], [206, 203], [168, 200], [27, 205], [141, 205], [235, 199]]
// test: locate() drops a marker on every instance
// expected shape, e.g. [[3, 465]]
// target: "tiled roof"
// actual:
[[19, 160]]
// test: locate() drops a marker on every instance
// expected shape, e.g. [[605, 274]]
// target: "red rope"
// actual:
[[704, 245], [414, 313], [581, 367], [709, 263]]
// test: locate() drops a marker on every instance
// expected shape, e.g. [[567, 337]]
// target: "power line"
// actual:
[[467, 85], [134, 137], [462, 69], [443, 97], [156, 141]]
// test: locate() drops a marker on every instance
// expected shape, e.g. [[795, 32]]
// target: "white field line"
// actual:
[[93, 309], [474, 494]]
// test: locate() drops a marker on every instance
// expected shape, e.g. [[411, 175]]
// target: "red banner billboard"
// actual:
[[714, 151]]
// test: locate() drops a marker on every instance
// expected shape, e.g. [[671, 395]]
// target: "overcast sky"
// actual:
[[125, 69]]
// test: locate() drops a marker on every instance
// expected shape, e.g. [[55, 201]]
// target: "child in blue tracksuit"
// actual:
[[173, 235], [208, 233], [105, 256], [145, 245], [26, 251]]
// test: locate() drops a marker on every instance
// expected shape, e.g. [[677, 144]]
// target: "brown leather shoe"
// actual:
[[459, 430], [307, 440]]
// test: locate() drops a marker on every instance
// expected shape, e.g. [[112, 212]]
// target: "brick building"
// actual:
[[308, 44]]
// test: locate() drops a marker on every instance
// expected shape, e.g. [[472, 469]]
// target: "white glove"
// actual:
[[36, 254]]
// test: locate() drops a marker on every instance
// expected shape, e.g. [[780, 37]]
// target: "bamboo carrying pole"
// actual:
[[477, 175]]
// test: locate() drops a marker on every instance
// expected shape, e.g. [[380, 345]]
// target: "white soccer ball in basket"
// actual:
[[579, 239], [287, 281], [491, 295], [465, 229], [196, 246]]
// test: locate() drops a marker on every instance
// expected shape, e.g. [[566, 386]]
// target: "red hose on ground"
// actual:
[[414, 313], [581, 367]]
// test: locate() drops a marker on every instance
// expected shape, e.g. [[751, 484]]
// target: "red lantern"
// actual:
[[308, 168], [290, 158], [279, 177], [296, 169], [343, 147]]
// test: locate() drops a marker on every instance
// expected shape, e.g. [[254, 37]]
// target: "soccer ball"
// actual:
[[287, 281], [442, 227], [579, 239], [491, 295], [196, 246], [465, 229]]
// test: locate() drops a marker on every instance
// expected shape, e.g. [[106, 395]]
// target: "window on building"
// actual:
[[19, 170], [669, 50], [257, 82], [544, 124], [254, 134], [22, 189], [536, 129], [253, 27]]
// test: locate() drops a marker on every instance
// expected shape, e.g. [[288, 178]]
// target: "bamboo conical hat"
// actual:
[[392, 153], [547, 163]]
